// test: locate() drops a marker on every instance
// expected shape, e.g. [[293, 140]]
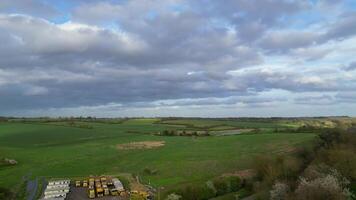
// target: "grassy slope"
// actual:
[[59, 151]]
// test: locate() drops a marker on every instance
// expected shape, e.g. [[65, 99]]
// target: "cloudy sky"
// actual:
[[204, 58]]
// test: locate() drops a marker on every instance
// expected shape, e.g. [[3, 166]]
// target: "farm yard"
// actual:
[[82, 147]]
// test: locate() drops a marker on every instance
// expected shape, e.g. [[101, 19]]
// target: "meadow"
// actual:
[[82, 148]]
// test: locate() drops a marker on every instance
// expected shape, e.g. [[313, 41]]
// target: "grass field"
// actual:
[[57, 150], [213, 123]]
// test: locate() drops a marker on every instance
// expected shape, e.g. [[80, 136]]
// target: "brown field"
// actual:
[[141, 145]]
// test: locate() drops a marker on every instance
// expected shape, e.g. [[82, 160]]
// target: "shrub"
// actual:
[[235, 183], [210, 185], [290, 167], [322, 188], [344, 160], [224, 185], [148, 171], [5, 193], [265, 168], [216, 187], [279, 191], [193, 192], [221, 187], [329, 138], [322, 182], [283, 167]]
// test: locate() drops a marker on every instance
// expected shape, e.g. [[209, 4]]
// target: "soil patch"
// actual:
[[141, 145]]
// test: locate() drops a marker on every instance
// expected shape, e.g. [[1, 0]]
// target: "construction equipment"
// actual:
[[114, 192], [144, 194], [103, 179], [134, 192], [104, 186], [91, 193], [110, 183], [91, 182], [85, 183], [106, 191], [77, 183], [99, 192]]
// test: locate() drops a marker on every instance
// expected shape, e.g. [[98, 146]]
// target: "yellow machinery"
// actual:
[[99, 187], [99, 192], [91, 182], [103, 179], [77, 183], [91, 193], [114, 192], [110, 183], [106, 190], [85, 183], [144, 194]]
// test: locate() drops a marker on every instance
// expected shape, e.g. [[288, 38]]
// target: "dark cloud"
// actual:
[[266, 79], [143, 54], [350, 67], [344, 27], [284, 41], [346, 96], [31, 7], [316, 100]]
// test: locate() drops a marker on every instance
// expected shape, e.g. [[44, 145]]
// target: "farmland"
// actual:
[[88, 147]]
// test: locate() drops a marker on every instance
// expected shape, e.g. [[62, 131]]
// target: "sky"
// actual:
[[186, 58]]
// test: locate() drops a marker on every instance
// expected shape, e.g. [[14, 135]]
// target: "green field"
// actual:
[[56, 149], [214, 123]]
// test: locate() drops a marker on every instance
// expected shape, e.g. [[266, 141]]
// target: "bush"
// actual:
[[281, 168], [329, 138], [322, 188], [279, 191], [323, 182], [148, 171], [221, 187], [216, 187], [333, 152], [344, 160], [224, 185], [193, 192], [266, 169], [5, 193], [235, 183]]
